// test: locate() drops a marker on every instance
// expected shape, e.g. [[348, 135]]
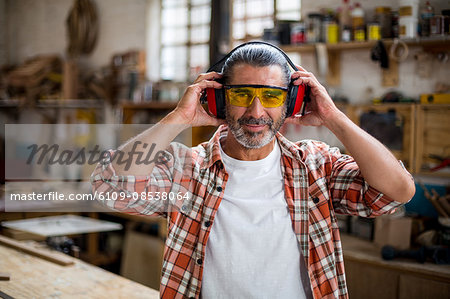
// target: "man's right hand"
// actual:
[[189, 109]]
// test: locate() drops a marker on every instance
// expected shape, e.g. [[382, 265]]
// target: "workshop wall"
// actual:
[[35, 27], [39, 27], [359, 73]]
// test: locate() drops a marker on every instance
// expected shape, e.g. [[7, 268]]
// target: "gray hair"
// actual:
[[256, 55]]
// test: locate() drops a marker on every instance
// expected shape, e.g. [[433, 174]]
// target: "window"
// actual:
[[185, 26], [251, 17]]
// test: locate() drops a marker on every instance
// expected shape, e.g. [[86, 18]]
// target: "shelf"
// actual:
[[54, 103], [149, 105], [425, 42], [390, 77], [58, 103]]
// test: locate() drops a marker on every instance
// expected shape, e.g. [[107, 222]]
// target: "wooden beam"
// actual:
[[390, 75], [334, 68], [49, 256]]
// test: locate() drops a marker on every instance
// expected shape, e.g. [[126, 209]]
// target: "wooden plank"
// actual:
[[334, 68], [22, 235], [70, 80], [32, 277], [46, 255], [390, 76], [92, 238], [419, 138], [412, 139]]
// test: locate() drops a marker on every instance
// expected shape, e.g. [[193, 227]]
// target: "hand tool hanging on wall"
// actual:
[[379, 53], [82, 27]]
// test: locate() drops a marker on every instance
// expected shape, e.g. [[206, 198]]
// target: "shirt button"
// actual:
[[184, 208], [207, 223], [199, 261], [219, 189], [315, 200]]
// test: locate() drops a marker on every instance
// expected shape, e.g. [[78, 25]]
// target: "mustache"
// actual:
[[255, 121]]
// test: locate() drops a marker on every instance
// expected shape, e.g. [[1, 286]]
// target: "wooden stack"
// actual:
[[31, 75]]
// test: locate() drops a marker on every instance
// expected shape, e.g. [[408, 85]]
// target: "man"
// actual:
[[259, 220]]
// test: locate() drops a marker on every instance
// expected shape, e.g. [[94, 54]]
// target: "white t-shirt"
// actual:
[[252, 251]]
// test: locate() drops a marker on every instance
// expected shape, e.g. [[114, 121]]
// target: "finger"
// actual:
[[199, 87], [292, 120], [310, 81], [304, 120], [208, 84], [208, 76], [301, 74], [300, 68]]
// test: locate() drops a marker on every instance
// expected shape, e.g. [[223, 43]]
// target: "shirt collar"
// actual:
[[213, 155]]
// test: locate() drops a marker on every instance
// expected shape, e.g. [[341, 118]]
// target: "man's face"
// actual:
[[255, 126]]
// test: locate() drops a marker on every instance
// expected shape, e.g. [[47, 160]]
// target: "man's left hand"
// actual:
[[321, 109]]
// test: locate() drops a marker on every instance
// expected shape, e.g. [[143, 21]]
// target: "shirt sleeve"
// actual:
[[351, 194], [145, 194]]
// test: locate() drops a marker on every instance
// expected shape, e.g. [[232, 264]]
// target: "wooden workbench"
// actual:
[[32, 277]]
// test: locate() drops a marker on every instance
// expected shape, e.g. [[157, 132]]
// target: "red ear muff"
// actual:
[[297, 97], [211, 98], [216, 102]]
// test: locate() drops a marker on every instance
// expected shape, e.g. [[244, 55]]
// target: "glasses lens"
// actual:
[[243, 96], [272, 97], [240, 96]]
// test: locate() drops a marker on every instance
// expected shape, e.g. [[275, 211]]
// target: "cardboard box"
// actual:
[[394, 231]]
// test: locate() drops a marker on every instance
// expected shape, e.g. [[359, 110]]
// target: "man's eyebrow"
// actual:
[[255, 86], [274, 91], [241, 89]]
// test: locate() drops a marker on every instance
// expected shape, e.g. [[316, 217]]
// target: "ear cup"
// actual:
[[216, 102], [296, 99], [291, 99], [220, 103]]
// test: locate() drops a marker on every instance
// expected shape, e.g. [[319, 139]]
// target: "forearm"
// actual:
[[155, 139], [378, 165]]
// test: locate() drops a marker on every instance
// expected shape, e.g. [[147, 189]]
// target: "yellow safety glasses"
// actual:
[[243, 95]]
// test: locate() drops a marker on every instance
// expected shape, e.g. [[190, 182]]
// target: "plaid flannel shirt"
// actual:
[[319, 182]]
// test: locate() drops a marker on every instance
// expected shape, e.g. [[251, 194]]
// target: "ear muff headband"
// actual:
[[253, 43], [296, 98]]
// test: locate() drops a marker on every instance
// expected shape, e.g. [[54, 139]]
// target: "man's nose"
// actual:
[[256, 109]]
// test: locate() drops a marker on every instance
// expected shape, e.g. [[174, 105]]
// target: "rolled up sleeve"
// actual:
[[350, 192], [130, 193]]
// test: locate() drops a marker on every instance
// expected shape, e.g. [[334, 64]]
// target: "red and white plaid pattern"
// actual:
[[319, 182]]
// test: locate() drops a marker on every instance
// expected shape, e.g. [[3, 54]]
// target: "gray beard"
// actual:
[[250, 140]]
